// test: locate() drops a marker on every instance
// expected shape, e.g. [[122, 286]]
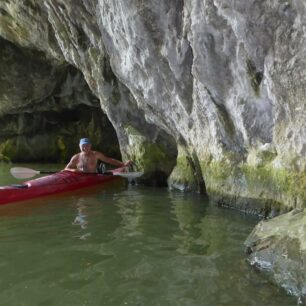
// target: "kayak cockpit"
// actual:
[[20, 186]]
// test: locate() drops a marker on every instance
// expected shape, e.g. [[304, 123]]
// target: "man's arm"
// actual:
[[72, 165], [112, 161]]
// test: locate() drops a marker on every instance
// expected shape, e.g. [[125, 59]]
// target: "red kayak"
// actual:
[[59, 182]]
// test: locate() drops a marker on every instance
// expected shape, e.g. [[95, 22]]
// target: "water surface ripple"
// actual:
[[128, 245]]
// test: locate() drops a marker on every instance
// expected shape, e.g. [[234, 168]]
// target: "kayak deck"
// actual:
[[63, 181]]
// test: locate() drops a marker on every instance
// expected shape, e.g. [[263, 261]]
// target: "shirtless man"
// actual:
[[87, 160]]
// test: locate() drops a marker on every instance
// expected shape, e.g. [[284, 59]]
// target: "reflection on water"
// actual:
[[81, 219], [189, 217], [120, 244]]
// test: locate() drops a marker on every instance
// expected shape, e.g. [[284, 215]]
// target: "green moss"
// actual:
[[4, 158], [8, 148], [217, 170], [257, 189], [271, 179], [148, 156], [38, 148], [20, 32], [183, 173], [151, 157], [187, 174], [63, 149], [265, 183]]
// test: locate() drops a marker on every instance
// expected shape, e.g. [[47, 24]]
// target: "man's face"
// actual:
[[85, 147]]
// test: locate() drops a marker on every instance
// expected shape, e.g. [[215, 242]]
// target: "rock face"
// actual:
[[210, 93], [279, 246]]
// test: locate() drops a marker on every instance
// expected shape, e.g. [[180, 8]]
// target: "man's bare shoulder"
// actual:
[[97, 153]]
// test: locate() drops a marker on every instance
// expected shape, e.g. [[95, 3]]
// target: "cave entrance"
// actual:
[[46, 107], [53, 136]]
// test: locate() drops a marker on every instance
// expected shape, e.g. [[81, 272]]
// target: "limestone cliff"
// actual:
[[208, 92], [214, 87]]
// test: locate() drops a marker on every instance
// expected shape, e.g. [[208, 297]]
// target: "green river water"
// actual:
[[122, 244]]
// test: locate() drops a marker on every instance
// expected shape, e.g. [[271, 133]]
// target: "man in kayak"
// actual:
[[87, 160]]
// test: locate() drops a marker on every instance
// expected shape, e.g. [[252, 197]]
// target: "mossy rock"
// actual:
[[150, 156], [4, 159], [183, 176], [278, 247], [53, 136]]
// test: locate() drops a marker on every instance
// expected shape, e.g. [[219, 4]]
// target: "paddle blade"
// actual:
[[23, 173], [129, 175]]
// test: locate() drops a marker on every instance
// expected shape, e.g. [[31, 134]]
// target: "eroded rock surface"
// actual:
[[278, 246]]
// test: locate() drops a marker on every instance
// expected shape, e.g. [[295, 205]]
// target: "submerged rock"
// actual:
[[278, 246]]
